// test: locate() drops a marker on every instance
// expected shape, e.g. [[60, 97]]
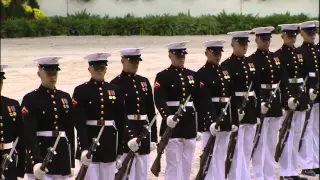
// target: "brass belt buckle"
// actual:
[[138, 117], [245, 94], [55, 133], [295, 80], [101, 122], [2, 146], [269, 86], [222, 99]]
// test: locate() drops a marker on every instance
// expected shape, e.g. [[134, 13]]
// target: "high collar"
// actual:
[[92, 81], [308, 44], [238, 57], [263, 51], [47, 90], [286, 47], [123, 73], [208, 64], [176, 68]]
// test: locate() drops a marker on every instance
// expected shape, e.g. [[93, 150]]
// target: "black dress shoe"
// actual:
[[308, 172], [317, 170], [286, 178]]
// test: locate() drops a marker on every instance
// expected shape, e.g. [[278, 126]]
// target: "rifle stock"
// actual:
[[230, 152], [124, 167], [7, 159]]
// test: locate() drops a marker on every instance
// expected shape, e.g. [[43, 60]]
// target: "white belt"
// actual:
[[51, 133], [295, 80], [220, 99], [244, 93], [4, 146], [137, 117], [100, 123], [177, 103], [269, 86], [312, 74]]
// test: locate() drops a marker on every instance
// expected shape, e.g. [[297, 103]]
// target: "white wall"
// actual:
[[197, 7]]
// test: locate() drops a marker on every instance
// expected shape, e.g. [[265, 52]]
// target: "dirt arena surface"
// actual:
[[22, 78]]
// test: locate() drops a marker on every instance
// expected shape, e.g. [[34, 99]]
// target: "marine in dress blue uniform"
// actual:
[[11, 127], [171, 88], [293, 61], [140, 110], [216, 82], [99, 103], [271, 72], [243, 73], [47, 112], [309, 152]]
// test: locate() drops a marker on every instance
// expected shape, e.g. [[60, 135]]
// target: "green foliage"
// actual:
[[83, 23], [34, 4], [19, 9]]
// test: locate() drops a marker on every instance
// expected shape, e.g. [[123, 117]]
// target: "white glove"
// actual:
[[72, 172], [170, 122], [312, 96], [264, 108], [283, 112], [118, 162], [19, 178], [234, 128], [84, 159], [241, 115], [258, 121], [37, 172], [153, 146], [291, 104], [213, 129], [199, 136], [133, 145]]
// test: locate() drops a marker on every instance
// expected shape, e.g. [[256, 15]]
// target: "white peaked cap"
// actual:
[[2, 67], [309, 24], [239, 34], [131, 51], [178, 45], [98, 56], [263, 30], [214, 43], [48, 60], [289, 26]]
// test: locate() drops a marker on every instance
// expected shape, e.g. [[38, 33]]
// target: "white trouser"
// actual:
[[315, 129], [98, 171], [240, 167], [216, 169], [48, 177], [179, 156], [140, 167], [289, 159], [263, 158]]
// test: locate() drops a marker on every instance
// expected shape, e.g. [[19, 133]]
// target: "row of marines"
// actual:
[[126, 104]]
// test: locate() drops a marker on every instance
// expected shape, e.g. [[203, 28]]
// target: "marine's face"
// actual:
[[48, 78], [98, 71], [289, 39], [214, 57], [1, 85], [130, 66], [263, 43], [308, 36], [240, 47], [177, 60]]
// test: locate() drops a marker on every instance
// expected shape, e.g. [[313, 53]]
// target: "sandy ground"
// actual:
[[22, 78]]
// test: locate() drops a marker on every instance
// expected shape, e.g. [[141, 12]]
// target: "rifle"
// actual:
[[130, 155], [95, 142], [206, 156], [156, 166], [262, 116], [308, 113], [51, 152], [7, 159], [234, 135], [286, 125]]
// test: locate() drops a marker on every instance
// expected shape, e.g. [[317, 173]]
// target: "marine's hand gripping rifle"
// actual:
[[50, 154], [129, 157], [206, 156], [7, 159], [156, 166], [262, 116], [95, 142]]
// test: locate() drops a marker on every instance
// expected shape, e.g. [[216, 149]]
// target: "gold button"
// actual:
[[271, 81], [1, 132], [246, 71], [181, 79], [52, 96], [294, 57], [134, 86], [56, 116], [222, 84], [271, 65], [101, 94], [100, 88], [296, 72], [247, 76], [1, 124], [180, 74], [183, 99], [138, 111], [272, 76], [55, 122], [137, 92], [183, 89], [271, 70], [223, 89], [267, 56], [54, 102], [2, 139], [313, 52], [101, 99], [223, 94], [102, 106], [133, 80], [182, 83], [56, 127], [55, 109], [102, 112], [269, 60], [295, 76], [315, 57], [138, 105], [244, 67], [221, 79], [101, 118], [296, 67], [138, 99]]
